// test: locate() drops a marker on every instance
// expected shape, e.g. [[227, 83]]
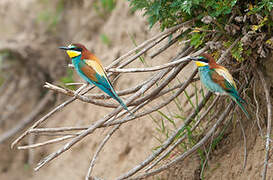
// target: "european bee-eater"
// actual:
[[89, 67], [217, 79]]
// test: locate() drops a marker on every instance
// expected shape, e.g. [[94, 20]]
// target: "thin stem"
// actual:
[[107, 137], [269, 119]]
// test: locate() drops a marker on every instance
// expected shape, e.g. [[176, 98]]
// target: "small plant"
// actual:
[[166, 125], [212, 17], [171, 12], [141, 58]]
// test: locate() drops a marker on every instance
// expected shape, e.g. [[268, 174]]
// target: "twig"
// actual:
[[207, 156], [149, 69], [59, 134], [257, 110], [164, 146], [71, 93], [168, 31], [192, 116], [166, 46], [63, 129], [46, 142], [269, 119], [37, 123], [221, 59], [143, 51], [28, 119], [52, 130], [245, 145], [193, 149], [107, 137], [74, 84]]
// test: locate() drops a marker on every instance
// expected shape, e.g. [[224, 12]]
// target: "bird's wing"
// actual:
[[88, 71], [95, 66], [221, 80], [224, 72], [95, 72]]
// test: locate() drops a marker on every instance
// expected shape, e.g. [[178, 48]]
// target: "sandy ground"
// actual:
[[133, 142]]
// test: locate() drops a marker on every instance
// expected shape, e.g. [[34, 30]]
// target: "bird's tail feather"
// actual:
[[111, 92], [241, 100], [238, 100], [117, 98], [123, 105]]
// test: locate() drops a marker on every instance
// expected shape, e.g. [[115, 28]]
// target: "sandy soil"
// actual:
[[133, 142]]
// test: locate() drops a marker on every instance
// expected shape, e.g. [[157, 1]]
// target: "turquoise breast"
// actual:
[[205, 77]]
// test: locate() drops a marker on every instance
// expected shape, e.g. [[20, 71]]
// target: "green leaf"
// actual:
[[197, 39], [237, 51]]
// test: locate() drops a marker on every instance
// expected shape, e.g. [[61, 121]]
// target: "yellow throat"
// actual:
[[72, 53], [200, 64]]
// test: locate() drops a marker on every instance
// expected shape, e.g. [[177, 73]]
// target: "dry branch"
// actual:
[[37, 123], [269, 121], [46, 143], [199, 144], [149, 69], [107, 137], [167, 32], [28, 119], [191, 117]]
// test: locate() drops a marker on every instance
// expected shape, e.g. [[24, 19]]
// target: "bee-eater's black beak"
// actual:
[[64, 48]]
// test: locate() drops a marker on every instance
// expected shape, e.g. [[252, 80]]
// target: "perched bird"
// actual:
[[217, 79], [89, 67]]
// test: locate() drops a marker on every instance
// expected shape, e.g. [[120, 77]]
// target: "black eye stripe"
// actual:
[[76, 49], [203, 60]]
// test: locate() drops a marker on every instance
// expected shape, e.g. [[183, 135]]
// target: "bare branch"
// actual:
[[107, 137], [269, 119], [53, 130], [164, 33], [155, 68], [193, 149], [161, 49], [37, 123], [28, 119], [245, 147], [46, 142], [191, 117], [257, 110], [164, 146]]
